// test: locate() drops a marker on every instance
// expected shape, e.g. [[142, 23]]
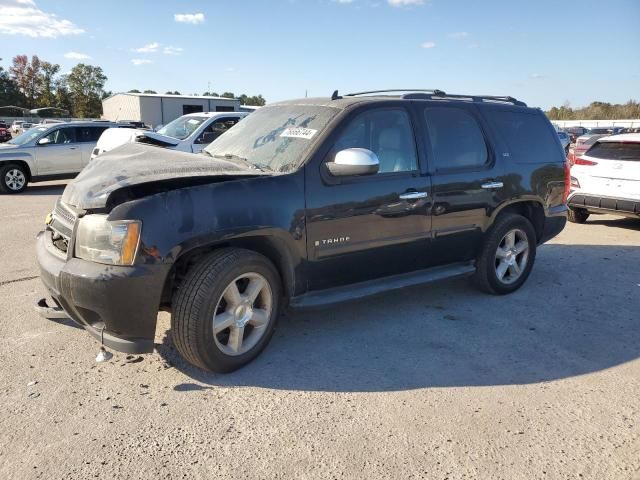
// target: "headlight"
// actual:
[[113, 243]]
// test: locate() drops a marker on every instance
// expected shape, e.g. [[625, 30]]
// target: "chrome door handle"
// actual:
[[73, 148], [413, 195], [491, 185]]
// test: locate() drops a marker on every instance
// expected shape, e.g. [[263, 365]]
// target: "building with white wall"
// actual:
[[155, 109]]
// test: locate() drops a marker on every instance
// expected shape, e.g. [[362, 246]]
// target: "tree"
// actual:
[[134, 91], [46, 83], [26, 74], [173, 93], [86, 86], [256, 101], [62, 96], [10, 93], [210, 94], [228, 95], [150, 91]]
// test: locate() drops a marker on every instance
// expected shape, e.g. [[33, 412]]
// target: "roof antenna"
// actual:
[[335, 95]]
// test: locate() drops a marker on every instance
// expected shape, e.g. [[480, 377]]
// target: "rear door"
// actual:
[[61, 155], [467, 178], [86, 140], [359, 228]]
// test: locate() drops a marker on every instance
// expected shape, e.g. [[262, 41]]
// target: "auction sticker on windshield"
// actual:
[[299, 132]]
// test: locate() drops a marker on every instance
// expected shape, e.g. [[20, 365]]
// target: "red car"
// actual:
[[5, 134]]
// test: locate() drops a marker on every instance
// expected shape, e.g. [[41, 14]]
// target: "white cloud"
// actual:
[[193, 18], [459, 35], [140, 61], [172, 50], [404, 3], [76, 56], [428, 45], [23, 17], [148, 48]]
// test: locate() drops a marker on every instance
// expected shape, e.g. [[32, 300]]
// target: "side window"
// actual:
[[387, 133], [61, 136], [89, 134], [456, 138], [528, 135], [217, 128]]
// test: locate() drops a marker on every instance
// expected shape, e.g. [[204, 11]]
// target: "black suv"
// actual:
[[303, 203]]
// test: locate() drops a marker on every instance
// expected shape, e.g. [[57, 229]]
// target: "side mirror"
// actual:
[[354, 161], [44, 141]]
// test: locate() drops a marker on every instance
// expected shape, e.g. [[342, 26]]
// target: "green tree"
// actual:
[[134, 91], [149, 91], [10, 93], [26, 74], [86, 86], [228, 95], [46, 81]]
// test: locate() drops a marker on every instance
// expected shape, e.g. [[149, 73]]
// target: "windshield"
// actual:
[[182, 127], [27, 136], [274, 138]]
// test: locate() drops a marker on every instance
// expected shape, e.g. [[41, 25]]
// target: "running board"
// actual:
[[380, 285]]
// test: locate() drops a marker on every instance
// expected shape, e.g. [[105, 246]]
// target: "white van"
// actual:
[[189, 133]]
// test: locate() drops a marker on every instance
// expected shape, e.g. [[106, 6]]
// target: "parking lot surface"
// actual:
[[432, 382]]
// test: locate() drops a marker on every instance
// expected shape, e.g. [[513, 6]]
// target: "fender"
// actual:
[[9, 155], [178, 222]]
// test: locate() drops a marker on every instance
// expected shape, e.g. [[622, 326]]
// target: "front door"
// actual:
[[467, 179], [61, 154], [367, 227]]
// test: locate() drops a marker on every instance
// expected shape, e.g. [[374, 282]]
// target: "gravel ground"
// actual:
[[435, 382]]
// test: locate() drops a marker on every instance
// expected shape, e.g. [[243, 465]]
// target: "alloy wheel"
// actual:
[[512, 256], [15, 179], [242, 314]]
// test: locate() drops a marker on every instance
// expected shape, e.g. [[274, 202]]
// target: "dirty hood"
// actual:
[[134, 164]]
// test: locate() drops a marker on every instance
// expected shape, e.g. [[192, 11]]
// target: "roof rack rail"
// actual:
[[395, 90], [473, 98]]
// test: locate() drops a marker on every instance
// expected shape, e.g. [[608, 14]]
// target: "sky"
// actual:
[[543, 52]]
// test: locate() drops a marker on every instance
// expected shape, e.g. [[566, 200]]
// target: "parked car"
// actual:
[[586, 141], [565, 141], [606, 179], [16, 126], [575, 132], [189, 133], [45, 153], [25, 126], [5, 134], [304, 203]]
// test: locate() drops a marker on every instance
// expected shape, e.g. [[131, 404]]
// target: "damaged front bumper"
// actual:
[[116, 305]]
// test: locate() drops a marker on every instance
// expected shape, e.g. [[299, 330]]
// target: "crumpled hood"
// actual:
[[133, 164]]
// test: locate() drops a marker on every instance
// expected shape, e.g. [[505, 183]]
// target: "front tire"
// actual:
[[577, 215], [13, 178], [507, 255], [226, 310]]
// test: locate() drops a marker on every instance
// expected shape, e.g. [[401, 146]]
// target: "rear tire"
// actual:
[[226, 309], [578, 215], [507, 256], [13, 178]]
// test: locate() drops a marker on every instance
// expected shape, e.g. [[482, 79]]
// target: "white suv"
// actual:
[[189, 133], [48, 152], [606, 179]]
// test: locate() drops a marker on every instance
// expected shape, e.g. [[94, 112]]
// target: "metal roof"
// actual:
[[160, 95]]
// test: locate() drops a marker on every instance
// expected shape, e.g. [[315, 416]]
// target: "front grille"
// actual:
[[62, 225]]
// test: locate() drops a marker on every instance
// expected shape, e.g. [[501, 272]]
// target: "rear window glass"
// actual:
[[628, 151], [528, 136]]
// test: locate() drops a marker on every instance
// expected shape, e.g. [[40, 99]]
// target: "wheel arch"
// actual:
[[270, 246], [21, 162], [532, 210]]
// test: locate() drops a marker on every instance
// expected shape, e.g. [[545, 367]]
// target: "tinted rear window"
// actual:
[[528, 135], [627, 151]]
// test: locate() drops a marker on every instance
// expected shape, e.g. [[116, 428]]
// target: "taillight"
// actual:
[[585, 162], [567, 181]]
